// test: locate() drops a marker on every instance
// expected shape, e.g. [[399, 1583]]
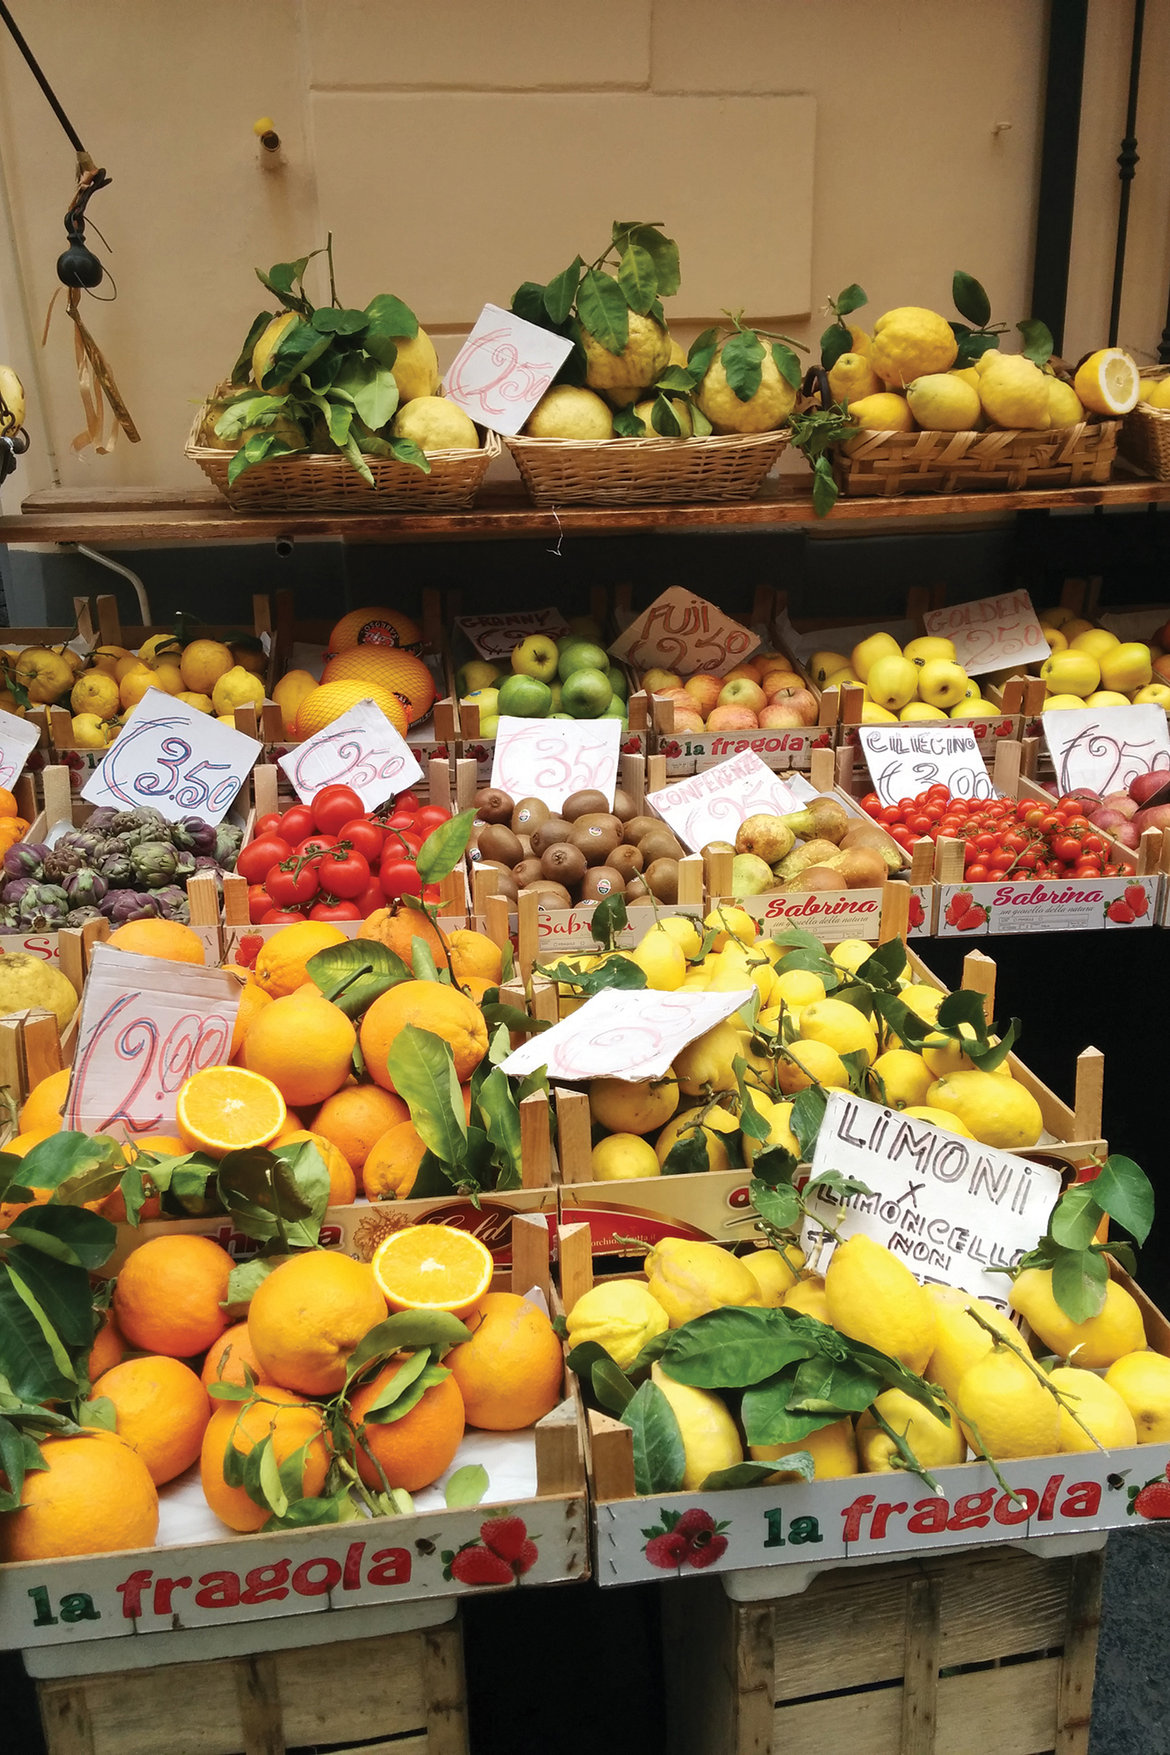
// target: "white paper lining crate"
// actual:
[[991, 1651]]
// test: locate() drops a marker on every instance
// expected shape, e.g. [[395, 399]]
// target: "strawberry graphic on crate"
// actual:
[[248, 949], [917, 912], [690, 1538], [502, 1555], [671, 749], [1136, 896], [822, 742], [973, 919], [1151, 1501]]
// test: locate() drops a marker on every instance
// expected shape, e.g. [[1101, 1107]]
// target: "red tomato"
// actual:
[[258, 857], [334, 908], [344, 874], [401, 844], [408, 801], [871, 804], [1066, 848], [949, 827], [432, 816], [371, 898], [977, 874], [1028, 860], [296, 823], [987, 842], [891, 814], [919, 823], [369, 838], [399, 877], [292, 883], [313, 844], [335, 805], [259, 902], [1093, 844], [281, 917], [1015, 841], [267, 825], [1001, 860], [1086, 868]]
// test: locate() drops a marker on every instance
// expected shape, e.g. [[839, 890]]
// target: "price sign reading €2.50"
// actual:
[[361, 750], [171, 756]]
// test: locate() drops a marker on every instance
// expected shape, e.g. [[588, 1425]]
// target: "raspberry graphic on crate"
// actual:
[[688, 1538]]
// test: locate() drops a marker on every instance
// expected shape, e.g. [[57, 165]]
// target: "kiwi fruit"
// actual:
[[636, 890], [638, 826], [528, 815], [579, 804], [492, 805], [600, 819], [659, 844], [497, 843], [505, 880], [623, 805], [661, 879], [596, 843], [563, 864], [627, 860], [550, 895], [529, 871], [601, 881], [552, 830]]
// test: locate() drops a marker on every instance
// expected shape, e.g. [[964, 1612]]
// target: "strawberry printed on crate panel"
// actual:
[[502, 1555]]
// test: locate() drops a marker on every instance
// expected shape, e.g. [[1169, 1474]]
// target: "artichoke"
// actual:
[[186, 867], [117, 869], [43, 905], [210, 865], [85, 888], [25, 859], [14, 889], [154, 863], [102, 818], [79, 916], [193, 835], [62, 863], [171, 903], [227, 845], [8, 916], [119, 906]]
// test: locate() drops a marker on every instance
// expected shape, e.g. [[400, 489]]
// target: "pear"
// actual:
[[750, 876], [767, 836]]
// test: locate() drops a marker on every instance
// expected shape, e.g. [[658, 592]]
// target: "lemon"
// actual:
[[1014, 392], [288, 694], [939, 1118], [1064, 405], [779, 1119], [621, 1316], [935, 1440], [807, 1063], [44, 674], [942, 403], [716, 1122], [91, 732], [909, 342], [201, 703], [688, 1279], [959, 1341], [851, 953], [941, 1054], [644, 357], [998, 1111], [729, 922], [12, 395], [710, 1436], [874, 1298], [799, 986], [740, 967], [237, 687], [640, 1106], [1098, 1405], [685, 931], [776, 1272], [416, 366], [899, 1078], [680, 410], [808, 1299], [1157, 393], [852, 378], [569, 411], [203, 663], [832, 1448], [135, 684], [620, 1157], [1117, 1329], [1142, 1380], [767, 409], [923, 1000], [1002, 1401], [885, 412], [705, 1063], [168, 678], [95, 692], [661, 960], [435, 425], [839, 1026], [1108, 382]]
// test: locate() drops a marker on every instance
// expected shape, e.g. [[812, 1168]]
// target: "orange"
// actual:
[[162, 1410], [475, 986], [303, 1045], [9, 1209], [280, 961], [41, 1111], [415, 1450], [8, 806], [290, 1422], [328, 703], [227, 1108], [170, 1293], [159, 938], [227, 1357], [158, 1145], [400, 673], [307, 1317], [390, 1170], [397, 928], [354, 1117], [433, 1006], [253, 999], [342, 1181], [475, 954], [94, 1496], [107, 1348], [433, 1267], [22, 1143], [510, 1371], [374, 627]]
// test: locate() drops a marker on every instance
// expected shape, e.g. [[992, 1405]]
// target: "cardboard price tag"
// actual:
[[904, 760], [712, 804], [948, 1207], [504, 368], [494, 636], [538, 759], [624, 1035], [18, 739], [1104, 748], [362, 750], [145, 1027], [171, 756], [991, 632], [683, 632]]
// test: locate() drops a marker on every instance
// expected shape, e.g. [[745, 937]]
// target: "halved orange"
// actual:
[[227, 1108], [433, 1267]]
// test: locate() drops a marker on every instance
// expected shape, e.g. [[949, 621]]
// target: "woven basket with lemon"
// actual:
[[1145, 431]]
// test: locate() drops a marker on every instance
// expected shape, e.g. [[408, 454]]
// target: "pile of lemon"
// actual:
[[212, 676]]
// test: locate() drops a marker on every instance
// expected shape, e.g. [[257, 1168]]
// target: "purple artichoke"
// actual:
[[117, 869], [85, 888], [43, 905], [79, 916], [102, 818], [119, 906], [25, 859], [227, 845], [193, 835], [154, 863]]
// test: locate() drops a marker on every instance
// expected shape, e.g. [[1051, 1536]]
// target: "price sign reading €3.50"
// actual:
[[550, 760], [361, 750], [171, 756]]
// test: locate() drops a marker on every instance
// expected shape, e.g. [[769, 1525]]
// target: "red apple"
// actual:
[[780, 717], [1120, 802], [1144, 786], [1154, 816]]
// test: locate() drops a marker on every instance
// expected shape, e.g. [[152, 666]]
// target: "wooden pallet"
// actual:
[[992, 1652], [404, 1689]]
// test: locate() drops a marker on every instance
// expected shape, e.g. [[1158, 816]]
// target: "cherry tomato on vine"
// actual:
[[976, 874], [256, 860], [369, 838], [343, 872], [333, 806], [296, 823], [334, 908], [407, 801], [292, 883]]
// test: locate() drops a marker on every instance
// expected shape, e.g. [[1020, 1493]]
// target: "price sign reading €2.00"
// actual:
[[171, 756], [905, 760], [361, 750]]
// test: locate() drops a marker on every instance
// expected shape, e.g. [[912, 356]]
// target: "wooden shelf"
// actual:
[[160, 516]]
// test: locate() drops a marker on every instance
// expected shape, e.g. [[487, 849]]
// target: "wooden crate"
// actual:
[[404, 1689], [987, 1651]]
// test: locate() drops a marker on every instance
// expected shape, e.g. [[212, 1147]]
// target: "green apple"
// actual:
[[556, 696], [582, 655], [478, 674], [617, 709], [536, 656], [560, 715], [586, 693], [524, 697], [617, 682]]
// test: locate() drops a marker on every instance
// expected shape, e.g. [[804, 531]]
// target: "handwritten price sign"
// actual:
[[992, 632], [175, 758], [362, 750], [623, 1035], [18, 739], [538, 759], [494, 636], [905, 760], [1104, 748], [504, 368], [145, 1027], [712, 804], [685, 633]]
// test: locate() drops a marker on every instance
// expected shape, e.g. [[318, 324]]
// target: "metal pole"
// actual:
[[1127, 160]]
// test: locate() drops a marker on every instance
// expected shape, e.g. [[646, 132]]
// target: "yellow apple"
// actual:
[[840, 678], [1127, 666], [1156, 694], [941, 682], [872, 714], [1054, 637], [1056, 617], [867, 652], [1053, 703], [657, 681], [1077, 625], [892, 681], [1106, 698], [1071, 673], [928, 646], [822, 664], [1096, 641], [920, 710], [978, 709]]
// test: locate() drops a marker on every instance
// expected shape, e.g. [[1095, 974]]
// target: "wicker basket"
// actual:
[[888, 464], [644, 472], [310, 483], [1145, 434]]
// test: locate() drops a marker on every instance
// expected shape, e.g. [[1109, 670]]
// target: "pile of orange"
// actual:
[[13, 827]]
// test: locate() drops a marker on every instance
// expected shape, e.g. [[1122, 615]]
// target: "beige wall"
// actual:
[[459, 147]]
